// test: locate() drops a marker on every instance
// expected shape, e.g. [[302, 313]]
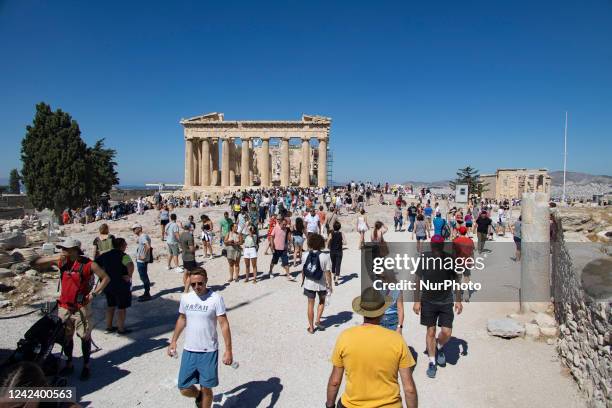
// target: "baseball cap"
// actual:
[[137, 225], [437, 239], [462, 230], [69, 243]]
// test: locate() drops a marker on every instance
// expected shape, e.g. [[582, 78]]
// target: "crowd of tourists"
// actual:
[[298, 227]]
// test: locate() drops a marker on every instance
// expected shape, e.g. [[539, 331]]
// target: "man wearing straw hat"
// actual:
[[373, 356]]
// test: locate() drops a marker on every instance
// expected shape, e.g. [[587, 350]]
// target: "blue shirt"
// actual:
[[438, 223], [428, 211]]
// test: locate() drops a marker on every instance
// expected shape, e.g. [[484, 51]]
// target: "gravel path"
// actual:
[[280, 363]]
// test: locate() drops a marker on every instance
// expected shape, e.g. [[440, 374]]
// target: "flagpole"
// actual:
[[564, 157]]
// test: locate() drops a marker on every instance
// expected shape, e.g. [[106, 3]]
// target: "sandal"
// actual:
[[319, 326], [110, 330], [309, 330]]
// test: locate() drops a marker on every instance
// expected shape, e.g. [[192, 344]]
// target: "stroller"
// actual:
[[37, 345]]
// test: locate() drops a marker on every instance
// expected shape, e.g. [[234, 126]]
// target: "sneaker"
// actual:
[[441, 358], [85, 374], [110, 330], [144, 298], [431, 370]]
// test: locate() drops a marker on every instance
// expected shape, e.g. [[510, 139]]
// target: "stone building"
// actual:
[[512, 183], [255, 153]]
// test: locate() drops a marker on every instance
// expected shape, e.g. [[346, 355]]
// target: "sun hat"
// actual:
[[69, 243], [137, 225], [371, 303], [462, 230], [437, 239]]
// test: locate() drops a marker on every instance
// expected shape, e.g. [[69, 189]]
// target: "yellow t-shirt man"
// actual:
[[371, 356]]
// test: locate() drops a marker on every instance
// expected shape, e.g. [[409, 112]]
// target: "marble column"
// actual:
[[188, 163], [205, 163], [284, 151], [245, 165], [535, 253], [214, 175], [322, 165], [196, 162], [264, 169], [232, 163], [305, 173], [225, 163]]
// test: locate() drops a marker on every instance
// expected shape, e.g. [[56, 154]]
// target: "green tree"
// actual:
[[101, 170], [14, 180], [54, 160], [471, 177]]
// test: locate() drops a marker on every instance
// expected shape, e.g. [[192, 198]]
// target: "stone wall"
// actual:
[[585, 327]]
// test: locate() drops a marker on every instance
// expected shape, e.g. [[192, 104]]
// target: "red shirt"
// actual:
[[463, 246], [74, 284]]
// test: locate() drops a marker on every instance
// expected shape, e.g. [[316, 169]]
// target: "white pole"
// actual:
[[564, 157]]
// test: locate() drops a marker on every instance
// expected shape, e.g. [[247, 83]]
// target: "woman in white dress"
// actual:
[[362, 227]]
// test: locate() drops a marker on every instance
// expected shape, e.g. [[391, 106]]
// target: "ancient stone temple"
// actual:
[[512, 183], [220, 153]]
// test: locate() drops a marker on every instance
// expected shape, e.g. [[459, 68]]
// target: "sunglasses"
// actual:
[[194, 284]]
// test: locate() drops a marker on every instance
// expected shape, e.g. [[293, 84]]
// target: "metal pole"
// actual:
[[564, 157]]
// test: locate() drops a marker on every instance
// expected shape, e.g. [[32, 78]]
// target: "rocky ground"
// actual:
[[280, 363]]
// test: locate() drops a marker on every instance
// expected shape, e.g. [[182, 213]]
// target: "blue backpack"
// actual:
[[312, 266]]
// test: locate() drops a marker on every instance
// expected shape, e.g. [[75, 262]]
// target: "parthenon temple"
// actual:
[[264, 156]]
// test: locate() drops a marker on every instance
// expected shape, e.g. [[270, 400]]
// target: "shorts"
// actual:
[[164, 222], [250, 253], [432, 313], [311, 294], [206, 236], [517, 242], [189, 265], [421, 237], [79, 321], [233, 253], [282, 254], [468, 224], [298, 240], [119, 297], [390, 321], [173, 249], [199, 368]]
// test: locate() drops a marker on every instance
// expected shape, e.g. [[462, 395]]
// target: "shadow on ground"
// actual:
[[250, 394]]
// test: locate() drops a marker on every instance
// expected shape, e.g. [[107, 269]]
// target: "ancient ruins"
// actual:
[[263, 156], [512, 183]]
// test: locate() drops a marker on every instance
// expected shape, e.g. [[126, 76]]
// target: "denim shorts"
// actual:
[[199, 368]]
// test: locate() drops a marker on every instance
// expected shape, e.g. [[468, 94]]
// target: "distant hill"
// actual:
[[439, 183], [578, 178]]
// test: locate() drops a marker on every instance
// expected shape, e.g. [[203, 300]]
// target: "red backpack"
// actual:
[[76, 281]]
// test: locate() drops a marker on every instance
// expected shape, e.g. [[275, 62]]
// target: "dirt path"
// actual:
[[281, 364]]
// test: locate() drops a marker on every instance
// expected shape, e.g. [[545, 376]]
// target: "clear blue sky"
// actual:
[[415, 89]]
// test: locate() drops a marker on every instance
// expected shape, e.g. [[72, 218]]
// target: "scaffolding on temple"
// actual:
[[330, 168]]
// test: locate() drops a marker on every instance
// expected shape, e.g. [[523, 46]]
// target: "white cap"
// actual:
[[69, 243], [137, 225]]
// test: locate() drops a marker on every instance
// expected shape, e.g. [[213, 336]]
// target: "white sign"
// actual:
[[461, 193]]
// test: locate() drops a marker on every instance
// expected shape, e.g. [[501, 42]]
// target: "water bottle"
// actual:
[[235, 365]]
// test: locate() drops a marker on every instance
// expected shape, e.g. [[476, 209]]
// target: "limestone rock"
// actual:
[[5, 259], [6, 273], [31, 273], [544, 320], [4, 303], [25, 254], [506, 328], [532, 330], [12, 240], [20, 267], [549, 331]]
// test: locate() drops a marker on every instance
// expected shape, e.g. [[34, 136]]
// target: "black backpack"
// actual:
[[312, 266]]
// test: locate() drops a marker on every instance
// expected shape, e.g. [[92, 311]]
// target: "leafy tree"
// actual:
[[14, 180], [471, 177], [101, 170], [59, 170]]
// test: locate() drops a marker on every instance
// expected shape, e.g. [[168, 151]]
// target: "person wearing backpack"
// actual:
[[76, 294], [103, 242], [316, 279]]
